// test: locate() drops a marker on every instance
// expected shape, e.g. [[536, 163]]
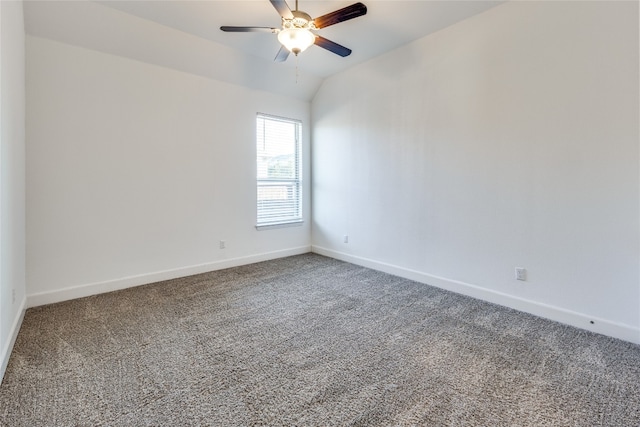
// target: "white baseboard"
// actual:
[[81, 291], [13, 335], [558, 314]]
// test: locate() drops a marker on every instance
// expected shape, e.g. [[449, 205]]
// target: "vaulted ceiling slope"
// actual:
[[185, 35]]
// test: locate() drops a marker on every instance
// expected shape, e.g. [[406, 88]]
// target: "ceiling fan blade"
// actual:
[[282, 55], [349, 12], [249, 29], [283, 8], [332, 46]]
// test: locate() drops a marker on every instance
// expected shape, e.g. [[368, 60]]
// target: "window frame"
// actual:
[[296, 181]]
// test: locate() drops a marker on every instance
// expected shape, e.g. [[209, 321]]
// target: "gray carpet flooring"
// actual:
[[310, 341]]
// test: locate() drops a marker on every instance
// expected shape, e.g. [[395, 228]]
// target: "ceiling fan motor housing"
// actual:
[[300, 20]]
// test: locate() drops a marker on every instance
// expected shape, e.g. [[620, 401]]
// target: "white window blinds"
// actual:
[[279, 174]]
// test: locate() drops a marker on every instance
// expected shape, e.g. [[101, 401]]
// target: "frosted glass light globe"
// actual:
[[296, 40]]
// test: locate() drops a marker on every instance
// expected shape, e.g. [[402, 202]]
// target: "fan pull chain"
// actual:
[[297, 74]]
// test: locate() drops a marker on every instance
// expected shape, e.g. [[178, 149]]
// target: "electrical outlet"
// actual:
[[345, 239], [13, 296], [521, 274], [222, 244]]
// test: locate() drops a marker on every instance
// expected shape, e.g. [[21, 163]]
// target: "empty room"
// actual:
[[319, 213]]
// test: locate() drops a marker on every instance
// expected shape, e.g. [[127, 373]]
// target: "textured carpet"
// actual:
[[308, 340]]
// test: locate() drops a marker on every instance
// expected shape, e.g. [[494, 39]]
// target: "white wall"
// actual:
[[12, 180], [135, 172], [509, 139]]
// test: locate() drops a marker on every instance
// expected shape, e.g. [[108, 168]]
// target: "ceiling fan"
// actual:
[[296, 34]]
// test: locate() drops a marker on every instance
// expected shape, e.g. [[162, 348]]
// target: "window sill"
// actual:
[[280, 225]]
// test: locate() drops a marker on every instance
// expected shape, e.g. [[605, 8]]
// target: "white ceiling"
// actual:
[[189, 39]]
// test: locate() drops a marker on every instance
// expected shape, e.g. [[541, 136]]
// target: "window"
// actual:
[[279, 171]]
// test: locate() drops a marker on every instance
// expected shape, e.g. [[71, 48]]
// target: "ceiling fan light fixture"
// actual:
[[296, 40], [297, 34]]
